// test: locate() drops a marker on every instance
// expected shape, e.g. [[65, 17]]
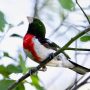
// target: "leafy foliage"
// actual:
[[34, 78], [6, 71], [14, 69], [22, 64], [20, 87], [4, 84], [2, 21], [35, 82], [67, 4], [85, 38]]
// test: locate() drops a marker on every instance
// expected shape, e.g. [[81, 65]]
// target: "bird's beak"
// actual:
[[30, 19]]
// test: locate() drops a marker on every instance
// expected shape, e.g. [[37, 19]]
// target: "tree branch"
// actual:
[[48, 59]]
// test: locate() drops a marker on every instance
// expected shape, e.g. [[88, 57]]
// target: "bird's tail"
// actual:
[[79, 69], [62, 61]]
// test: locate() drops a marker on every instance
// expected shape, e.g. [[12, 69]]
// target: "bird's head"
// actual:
[[36, 27]]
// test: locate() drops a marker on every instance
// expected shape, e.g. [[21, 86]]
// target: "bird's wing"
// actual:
[[66, 63], [77, 68], [49, 44]]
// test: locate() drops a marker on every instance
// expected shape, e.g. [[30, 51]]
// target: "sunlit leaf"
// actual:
[[85, 38], [35, 82], [2, 21], [23, 64], [67, 4]]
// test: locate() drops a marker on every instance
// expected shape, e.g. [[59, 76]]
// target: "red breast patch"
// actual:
[[29, 45]]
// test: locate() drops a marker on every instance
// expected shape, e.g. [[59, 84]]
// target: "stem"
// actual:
[[71, 41], [83, 12], [36, 8], [77, 49], [82, 83]]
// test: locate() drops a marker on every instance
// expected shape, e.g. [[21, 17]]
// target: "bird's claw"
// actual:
[[51, 56], [33, 70], [43, 69]]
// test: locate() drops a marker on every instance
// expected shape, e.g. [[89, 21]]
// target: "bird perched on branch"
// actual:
[[38, 48]]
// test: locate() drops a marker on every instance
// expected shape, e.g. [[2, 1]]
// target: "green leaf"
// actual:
[[20, 87], [14, 69], [35, 79], [35, 82], [6, 54], [23, 64], [4, 71], [2, 21], [16, 35], [4, 84], [85, 38], [67, 4]]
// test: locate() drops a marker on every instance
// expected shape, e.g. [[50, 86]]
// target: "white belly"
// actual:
[[41, 51], [44, 52]]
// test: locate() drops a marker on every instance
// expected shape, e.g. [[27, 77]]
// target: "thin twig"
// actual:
[[55, 30], [83, 12], [72, 40], [82, 53], [78, 82], [43, 5], [48, 59], [75, 82], [78, 49], [9, 27], [36, 9], [82, 83], [58, 27], [86, 58]]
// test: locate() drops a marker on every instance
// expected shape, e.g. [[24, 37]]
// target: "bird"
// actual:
[[37, 47]]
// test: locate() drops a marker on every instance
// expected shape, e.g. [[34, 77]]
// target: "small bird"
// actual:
[[38, 48]]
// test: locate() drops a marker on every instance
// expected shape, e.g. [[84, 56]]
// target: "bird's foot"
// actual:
[[33, 71], [44, 68], [51, 56]]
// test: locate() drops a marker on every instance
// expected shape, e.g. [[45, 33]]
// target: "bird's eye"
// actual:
[[30, 19]]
